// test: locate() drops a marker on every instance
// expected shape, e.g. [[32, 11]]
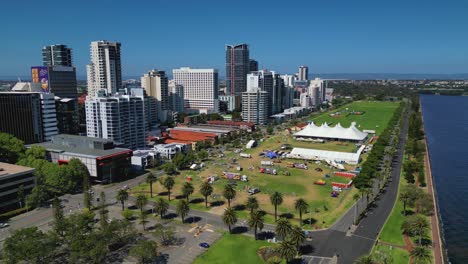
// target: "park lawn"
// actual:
[[376, 115], [233, 249], [399, 255]]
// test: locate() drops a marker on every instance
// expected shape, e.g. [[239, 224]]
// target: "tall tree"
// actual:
[[28, 245], [301, 205], [356, 198], [297, 236], [142, 218], [229, 193], [421, 255], [122, 196], [59, 218], [20, 194], [187, 190], [256, 221], [276, 199], [161, 207], [283, 228], [145, 251], [287, 250], [206, 190], [169, 184], [150, 179], [182, 209], [141, 202], [404, 197], [252, 204], [229, 217], [11, 148], [103, 217]]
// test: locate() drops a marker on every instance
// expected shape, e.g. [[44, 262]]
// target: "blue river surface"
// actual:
[[446, 126]]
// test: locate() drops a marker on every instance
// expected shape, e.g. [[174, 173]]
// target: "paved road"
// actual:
[[349, 246]]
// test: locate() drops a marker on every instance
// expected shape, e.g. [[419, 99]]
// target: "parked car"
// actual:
[[204, 245], [3, 225], [253, 191]]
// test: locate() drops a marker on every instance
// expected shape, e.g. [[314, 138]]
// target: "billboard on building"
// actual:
[[40, 74]]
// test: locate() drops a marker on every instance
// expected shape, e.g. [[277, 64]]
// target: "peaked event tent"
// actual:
[[334, 133]]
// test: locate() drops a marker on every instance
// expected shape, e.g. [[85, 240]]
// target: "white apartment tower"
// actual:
[[104, 71], [255, 102], [200, 89], [120, 118], [156, 85], [303, 74], [176, 97]]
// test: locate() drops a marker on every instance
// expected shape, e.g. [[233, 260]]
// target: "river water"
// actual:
[[446, 126]]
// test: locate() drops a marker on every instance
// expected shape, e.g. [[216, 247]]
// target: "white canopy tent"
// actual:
[[332, 133], [316, 154]]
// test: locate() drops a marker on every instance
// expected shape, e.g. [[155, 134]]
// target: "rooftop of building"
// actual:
[[7, 169], [201, 128], [231, 123]]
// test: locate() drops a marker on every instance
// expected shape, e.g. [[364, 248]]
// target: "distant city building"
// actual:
[[59, 80], [104, 71], [237, 68], [278, 94], [288, 80], [288, 97], [264, 81], [29, 116], [57, 55], [176, 97], [305, 100], [303, 74], [255, 103], [329, 94], [200, 89], [317, 90], [12, 177], [168, 151], [156, 85], [253, 65], [118, 117], [67, 115], [232, 101], [105, 162]]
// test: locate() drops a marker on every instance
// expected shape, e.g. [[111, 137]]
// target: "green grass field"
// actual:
[[376, 115], [399, 255], [233, 249]]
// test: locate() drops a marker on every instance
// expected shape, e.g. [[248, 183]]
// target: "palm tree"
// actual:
[[421, 255], [301, 206], [366, 259], [150, 179], [187, 190], [161, 207], [420, 227], [206, 190], [143, 219], [169, 184], [182, 209], [287, 250], [122, 196], [141, 202], [256, 221], [405, 198], [252, 204], [367, 193], [297, 236], [356, 198], [283, 227], [229, 217], [276, 199], [229, 193]]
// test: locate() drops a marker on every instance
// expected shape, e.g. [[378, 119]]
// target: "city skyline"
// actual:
[[360, 37]]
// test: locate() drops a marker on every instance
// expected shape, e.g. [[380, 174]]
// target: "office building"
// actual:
[[200, 89], [176, 97], [104, 70], [169, 151], [253, 65], [119, 117], [56, 55], [59, 80], [255, 103], [278, 93], [155, 84], [303, 74], [264, 81], [317, 90], [105, 162], [67, 115], [12, 177], [237, 68], [288, 80], [29, 116], [232, 101]]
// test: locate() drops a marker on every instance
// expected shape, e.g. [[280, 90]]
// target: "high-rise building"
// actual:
[[56, 55], [29, 116], [237, 68], [67, 115], [104, 71], [232, 102], [264, 80], [288, 80], [156, 85], [59, 80], [253, 65], [317, 90], [254, 103], [200, 89], [303, 74], [176, 97], [119, 117], [278, 94]]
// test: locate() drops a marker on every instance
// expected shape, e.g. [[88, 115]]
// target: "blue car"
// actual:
[[204, 245]]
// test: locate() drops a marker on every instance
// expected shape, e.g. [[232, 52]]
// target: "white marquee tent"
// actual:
[[316, 154], [332, 133]]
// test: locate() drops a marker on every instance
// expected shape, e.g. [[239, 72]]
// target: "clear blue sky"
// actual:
[[331, 36]]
